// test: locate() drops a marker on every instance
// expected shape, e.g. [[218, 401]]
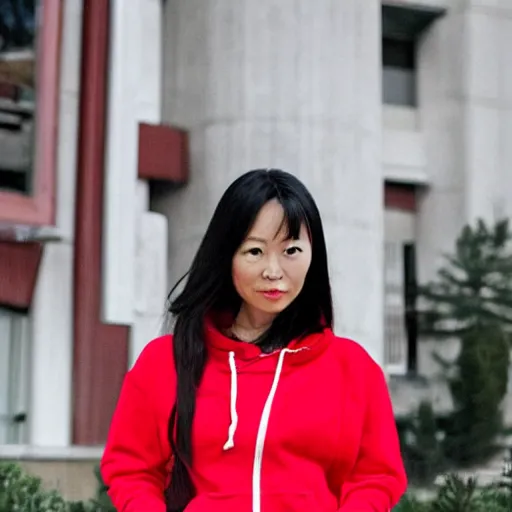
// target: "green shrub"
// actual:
[[411, 504], [24, 493], [421, 447], [21, 492], [464, 495]]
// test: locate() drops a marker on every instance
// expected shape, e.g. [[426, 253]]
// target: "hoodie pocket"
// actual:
[[270, 502]]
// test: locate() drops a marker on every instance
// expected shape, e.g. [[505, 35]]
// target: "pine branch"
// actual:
[[496, 317]]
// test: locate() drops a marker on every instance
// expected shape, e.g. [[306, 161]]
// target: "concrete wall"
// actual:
[[294, 85], [404, 159], [49, 414], [465, 93], [73, 479], [67, 470]]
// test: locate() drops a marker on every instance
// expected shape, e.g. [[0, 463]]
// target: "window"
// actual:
[[402, 25], [14, 372], [400, 282], [398, 72], [30, 32], [17, 94], [400, 315]]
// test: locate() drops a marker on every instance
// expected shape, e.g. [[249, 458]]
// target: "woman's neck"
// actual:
[[251, 325]]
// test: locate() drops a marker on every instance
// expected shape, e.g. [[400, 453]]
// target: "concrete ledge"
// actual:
[[44, 453]]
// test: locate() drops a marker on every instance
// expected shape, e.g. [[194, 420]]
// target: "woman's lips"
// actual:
[[274, 294]]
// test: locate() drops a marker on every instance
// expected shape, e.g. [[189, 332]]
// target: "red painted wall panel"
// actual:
[[400, 197], [100, 351]]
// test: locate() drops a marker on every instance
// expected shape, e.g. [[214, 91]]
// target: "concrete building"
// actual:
[[397, 116]]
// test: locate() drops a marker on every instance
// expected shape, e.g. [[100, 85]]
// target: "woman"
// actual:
[[254, 404]]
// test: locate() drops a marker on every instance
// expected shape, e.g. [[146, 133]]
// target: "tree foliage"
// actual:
[[471, 301], [474, 287]]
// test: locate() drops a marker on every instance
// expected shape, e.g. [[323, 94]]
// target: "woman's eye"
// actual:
[[255, 251], [293, 250]]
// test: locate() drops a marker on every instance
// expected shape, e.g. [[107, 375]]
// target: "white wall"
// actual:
[[465, 93], [150, 274], [134, 239], [399, 226], [295, 86], [52, 312], [134, 96], [488, 109]]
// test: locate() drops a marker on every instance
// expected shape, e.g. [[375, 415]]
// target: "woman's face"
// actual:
[[268, 270]]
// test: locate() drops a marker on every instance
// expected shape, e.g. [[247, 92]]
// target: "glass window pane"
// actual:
[[17, 93], [398, 72], [398, 54], [398, 87]]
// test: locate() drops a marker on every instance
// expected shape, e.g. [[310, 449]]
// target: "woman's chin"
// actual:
[[271, 307]]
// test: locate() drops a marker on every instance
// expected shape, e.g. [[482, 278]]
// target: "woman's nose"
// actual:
[[273, 271]]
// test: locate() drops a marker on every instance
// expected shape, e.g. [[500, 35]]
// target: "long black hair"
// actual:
[[209, 287]]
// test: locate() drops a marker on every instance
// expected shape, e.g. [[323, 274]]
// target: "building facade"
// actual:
[[396, 115]]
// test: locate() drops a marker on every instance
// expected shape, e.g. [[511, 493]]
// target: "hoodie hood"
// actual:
[[220, 345]]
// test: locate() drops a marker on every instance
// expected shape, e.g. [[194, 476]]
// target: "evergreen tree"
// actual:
[[422, 450], [471, 300]]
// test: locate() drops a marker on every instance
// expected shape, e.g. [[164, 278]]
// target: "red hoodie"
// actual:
[[308, 428]]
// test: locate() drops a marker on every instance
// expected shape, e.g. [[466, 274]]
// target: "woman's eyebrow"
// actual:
[[255, 239]]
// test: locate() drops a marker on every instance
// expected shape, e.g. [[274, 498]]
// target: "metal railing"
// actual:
[[395, 334], [14, 375]]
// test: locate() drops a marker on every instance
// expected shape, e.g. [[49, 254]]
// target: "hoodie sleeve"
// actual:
[[378, 479], [134, 466]]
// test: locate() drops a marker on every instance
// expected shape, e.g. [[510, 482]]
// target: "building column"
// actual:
[[293, 85]]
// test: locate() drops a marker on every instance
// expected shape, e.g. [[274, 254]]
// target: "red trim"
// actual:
[[400, 197], [39, 209], [163, 153], [19, 266], [100, 351]]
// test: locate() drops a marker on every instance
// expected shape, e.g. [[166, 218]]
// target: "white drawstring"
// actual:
[[262, 430], [230, 443]]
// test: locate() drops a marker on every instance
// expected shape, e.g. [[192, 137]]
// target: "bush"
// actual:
[[24, 493], [21, 492], [411, 504], [464, 495], [421, 447]]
